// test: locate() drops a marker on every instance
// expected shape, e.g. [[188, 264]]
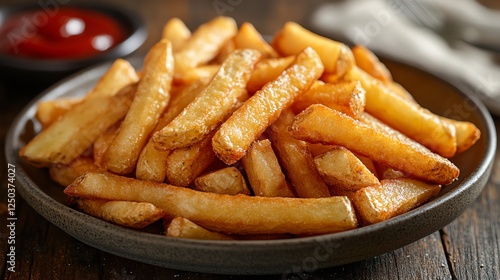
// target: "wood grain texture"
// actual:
[[468, 248]]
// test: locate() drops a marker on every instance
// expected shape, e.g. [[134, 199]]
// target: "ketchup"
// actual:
[[62, 34]]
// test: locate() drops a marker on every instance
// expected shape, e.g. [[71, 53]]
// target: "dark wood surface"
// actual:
[[468, 248]]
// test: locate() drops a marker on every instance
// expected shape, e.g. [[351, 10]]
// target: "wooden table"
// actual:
[[468, 248]]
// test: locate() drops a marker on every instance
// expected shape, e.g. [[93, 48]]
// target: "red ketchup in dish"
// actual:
[[66, 33]]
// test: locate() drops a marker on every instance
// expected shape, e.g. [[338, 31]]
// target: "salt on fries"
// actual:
[[226, 137]]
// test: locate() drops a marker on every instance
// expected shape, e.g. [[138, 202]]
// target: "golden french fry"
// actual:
[[385, 172], [391, 198], [400, 90], [204, 43], [185, 164], [176, 32], [152, 163], [320, 124], [267, 70], [65, 174], [195, 74], [230, 214], [293, 38], [264, 172], [340, 168], [223, 181], [212, 106], [152, 96], [184, 228], [296, 159], [119, 75], [102, 143], [369, 62], [73, 134], [247, 123], [49, 111], [408, 117], [249, 38], [346, 97], [224, 52], [467, 133], [125, 213]]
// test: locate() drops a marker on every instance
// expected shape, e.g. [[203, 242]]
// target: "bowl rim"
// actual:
[[35, 192], [129, 20]]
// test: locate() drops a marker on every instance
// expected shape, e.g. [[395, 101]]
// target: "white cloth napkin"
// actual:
[[386, 31]]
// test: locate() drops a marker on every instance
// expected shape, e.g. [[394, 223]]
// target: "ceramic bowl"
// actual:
[[266, 256]]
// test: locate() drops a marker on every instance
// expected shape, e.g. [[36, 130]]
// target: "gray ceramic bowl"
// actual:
[[271, 256]]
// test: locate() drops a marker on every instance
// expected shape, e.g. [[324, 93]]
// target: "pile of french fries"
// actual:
[[222, 135]]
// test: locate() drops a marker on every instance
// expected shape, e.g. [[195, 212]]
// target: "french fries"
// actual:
[[249, 38], [346, 97], [390, 198], [364, 139], [223, 181], [370, 63], [406, 116], [340, 168], [225, 213], [212, 106], [337, 58], [223, 136], [264, 171], [49, 111], [245, 125], [152, 163], [183, 165], [69, 137], [296, 159], [204, 44], [151, 98], [177, 33], [183, 228], [125, 213]]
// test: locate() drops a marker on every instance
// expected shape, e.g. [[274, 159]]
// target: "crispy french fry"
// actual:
[[176, 32], [102, 143], [230, 214], [296, 159], [73, 134], [212, 106], [125, 213], [184, 228], [267, 70], [340, 168], [224, 52], [245, 125], [119, 75], [467, 133], [406, 116], [249, 38], [49, 111], [400, 90], [391, 198], [65, 174], [204, 43], [385, 172], [293, 38], [223, 181], [264, 172], [346, 97], [152, 163], [152, 97], [195, 74], [320, 124], [185, 164], [369, 62]]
